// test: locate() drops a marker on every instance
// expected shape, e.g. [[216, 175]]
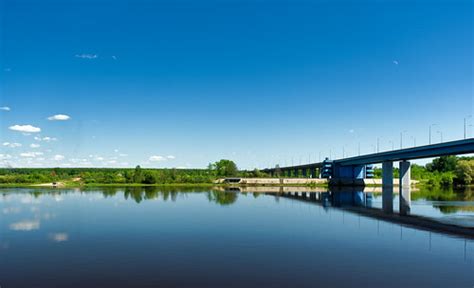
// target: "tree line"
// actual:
[[138, 175]]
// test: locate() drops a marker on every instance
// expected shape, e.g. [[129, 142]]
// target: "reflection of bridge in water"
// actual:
[[359, 201]]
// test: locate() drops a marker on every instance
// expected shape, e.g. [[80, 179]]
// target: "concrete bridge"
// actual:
[[353, 170]]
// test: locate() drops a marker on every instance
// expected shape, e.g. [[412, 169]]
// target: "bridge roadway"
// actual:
[[458, 147]]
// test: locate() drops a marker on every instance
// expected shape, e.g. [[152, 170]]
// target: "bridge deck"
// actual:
[[458, 147]]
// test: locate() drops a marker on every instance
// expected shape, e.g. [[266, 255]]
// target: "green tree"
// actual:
[[225, 168], [149, 178], [443, 164], [465, 171], [137, 175]]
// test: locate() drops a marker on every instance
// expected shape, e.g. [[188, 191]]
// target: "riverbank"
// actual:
[[235, 182]]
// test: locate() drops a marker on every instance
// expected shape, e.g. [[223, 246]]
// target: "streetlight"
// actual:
[[373, 146], [465, 130], [359, 149], [391, 142], [414, 140], [441, 134], [378, 144], [431, 125], [401, 138]]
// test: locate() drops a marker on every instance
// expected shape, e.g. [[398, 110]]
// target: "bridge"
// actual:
[[352, 171]]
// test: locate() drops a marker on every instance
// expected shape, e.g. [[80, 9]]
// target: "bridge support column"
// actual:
[[288, 173], [297, 173], [387, 186], [358, 172], [405, 182], [304, 172], [314, 173]]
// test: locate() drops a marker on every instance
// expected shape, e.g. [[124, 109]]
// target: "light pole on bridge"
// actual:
[[465, 125], [441, 135], [431, 125], [401, 138]]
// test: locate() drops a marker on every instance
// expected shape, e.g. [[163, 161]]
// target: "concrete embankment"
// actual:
[[305, 181], [272, 181]]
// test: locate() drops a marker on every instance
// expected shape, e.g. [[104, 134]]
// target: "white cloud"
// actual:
[[26, 225], [116, 150], [25, 128], [11, 145], [395, 62], [11, 210], [156, 158], [86, 56], [351, 131], [123, 155], [114, 57], [5, 108], [59, 237], [58, 157], [34, 145], [5, 156], [59, 117], [45, 139], [31, 154]]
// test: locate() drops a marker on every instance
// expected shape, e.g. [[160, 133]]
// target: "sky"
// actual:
[[185, 83]]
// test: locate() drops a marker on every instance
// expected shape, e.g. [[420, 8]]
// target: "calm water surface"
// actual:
[[208, 238]]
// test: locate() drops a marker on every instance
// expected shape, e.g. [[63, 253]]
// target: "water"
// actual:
[[208, 238]]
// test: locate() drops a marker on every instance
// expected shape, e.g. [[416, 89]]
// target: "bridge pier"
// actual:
[[352, 175], [305, 172], [297, 173], [405, 182], [387, 186]]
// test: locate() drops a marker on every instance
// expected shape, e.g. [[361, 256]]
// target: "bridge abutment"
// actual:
[[352, 175]]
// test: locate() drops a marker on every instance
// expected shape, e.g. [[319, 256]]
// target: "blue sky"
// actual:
[[185, 83]]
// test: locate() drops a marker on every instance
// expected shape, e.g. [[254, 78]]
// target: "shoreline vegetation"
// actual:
[[447, 171]]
